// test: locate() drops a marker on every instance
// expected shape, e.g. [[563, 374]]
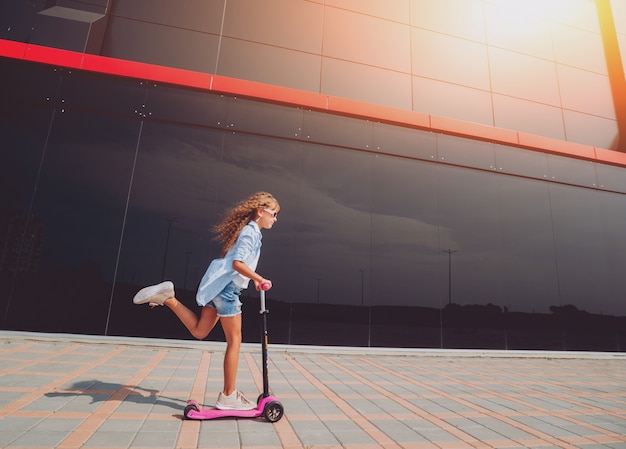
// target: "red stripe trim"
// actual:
[[311, 100], [12, 49]]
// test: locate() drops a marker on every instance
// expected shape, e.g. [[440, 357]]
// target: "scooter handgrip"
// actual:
[[265, 286]]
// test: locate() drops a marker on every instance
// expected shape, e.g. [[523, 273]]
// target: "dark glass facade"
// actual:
[[388, 236]]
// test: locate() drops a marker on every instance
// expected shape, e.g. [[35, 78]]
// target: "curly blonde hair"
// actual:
[[245, 211]]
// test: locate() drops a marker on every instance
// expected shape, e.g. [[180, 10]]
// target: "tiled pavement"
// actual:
[[62, 391]]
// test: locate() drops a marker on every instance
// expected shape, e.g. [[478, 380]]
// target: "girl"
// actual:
[[221, 285]]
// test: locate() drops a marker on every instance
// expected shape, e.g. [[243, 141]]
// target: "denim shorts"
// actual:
[[227, 302]]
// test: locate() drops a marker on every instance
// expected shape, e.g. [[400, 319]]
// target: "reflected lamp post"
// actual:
[[449, 251]]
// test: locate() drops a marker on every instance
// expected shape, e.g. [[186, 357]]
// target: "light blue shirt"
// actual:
[[220, 273]]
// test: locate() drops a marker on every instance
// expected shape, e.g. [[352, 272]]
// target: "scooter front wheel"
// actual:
[[189, 408], [273, 411]]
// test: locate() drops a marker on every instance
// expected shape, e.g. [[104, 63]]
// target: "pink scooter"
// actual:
[[267, 405]]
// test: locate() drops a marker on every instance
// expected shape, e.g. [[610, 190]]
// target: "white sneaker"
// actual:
[[236, 401], [155, 295]]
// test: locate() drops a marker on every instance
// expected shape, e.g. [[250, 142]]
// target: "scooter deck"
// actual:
[[195, 411]]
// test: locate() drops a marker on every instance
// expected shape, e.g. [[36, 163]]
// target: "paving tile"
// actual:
[[8, 436], [259, 438], [110, 439], [121, 425], [7, 397], [53, 424], [34, 438], [18, 424], [437, 435], [399, 431], [506, 430], [219, 439], [154, 439], [349, 437], [319, 406]]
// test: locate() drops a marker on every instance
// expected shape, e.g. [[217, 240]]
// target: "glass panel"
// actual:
[[467, 22], [528, 34], [591, 130], [404, 254], [611, 178], [92, 91], [17, 18], [571, 171], [79, 204], [268, 64], [528, 116], [529, 271], [469, 153], [376, 42], [187, 106], [521, 162], [32, 84], [198, 16], [515, 75], [374, 85], [447, 58], [402, 141], [582, 267], [266, 119], [595, 79], [470, 262], [332, 248], [294, 25], [453, 101], [172, 207], [337, 130], [612, 218], [24, 123], [167, 46]]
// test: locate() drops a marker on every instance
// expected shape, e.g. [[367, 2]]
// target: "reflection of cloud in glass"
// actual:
[[340, 235], [177, 176], [332, 243], [405, 261]]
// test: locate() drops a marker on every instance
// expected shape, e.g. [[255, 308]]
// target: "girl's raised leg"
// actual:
[[199, 326]]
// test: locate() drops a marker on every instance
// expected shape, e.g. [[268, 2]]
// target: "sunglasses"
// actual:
[[273, 213]]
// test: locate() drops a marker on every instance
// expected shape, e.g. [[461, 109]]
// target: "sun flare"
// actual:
[[523, 10]]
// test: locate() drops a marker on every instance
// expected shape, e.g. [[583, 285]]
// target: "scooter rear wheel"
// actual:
[[189, 408], [273, 411]]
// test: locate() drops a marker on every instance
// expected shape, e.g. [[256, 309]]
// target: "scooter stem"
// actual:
[[264, 362]]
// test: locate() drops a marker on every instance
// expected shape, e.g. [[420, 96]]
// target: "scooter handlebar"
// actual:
[[264, 287]]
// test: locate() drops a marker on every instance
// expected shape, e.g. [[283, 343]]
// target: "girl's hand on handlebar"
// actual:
[[265, 284]]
